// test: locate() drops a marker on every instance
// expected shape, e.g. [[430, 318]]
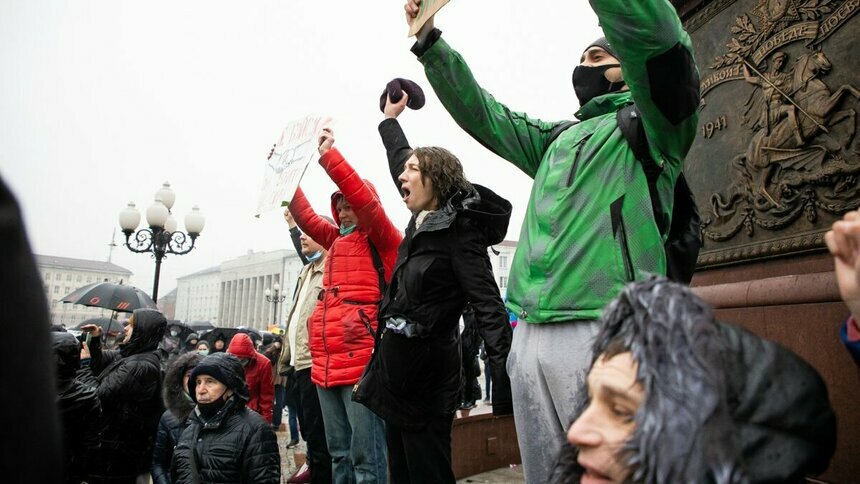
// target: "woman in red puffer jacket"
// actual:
[[342, 328]]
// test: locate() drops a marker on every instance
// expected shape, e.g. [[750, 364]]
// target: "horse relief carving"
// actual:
[[802, 153]]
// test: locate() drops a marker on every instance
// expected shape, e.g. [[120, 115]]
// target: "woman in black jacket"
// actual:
[[128, 383], [413, 379], [174, 420], [224, 442]]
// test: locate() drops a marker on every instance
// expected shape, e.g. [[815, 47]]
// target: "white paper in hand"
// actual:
[[427, 9], [295, 150]]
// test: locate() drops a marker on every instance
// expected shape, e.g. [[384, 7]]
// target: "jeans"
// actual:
[[293, 418], [278, 410], [355, 437]]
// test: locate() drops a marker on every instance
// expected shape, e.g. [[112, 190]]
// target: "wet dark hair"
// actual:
[[683, 427], [444, 171]]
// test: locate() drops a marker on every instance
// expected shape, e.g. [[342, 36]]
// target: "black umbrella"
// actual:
[[108, 325], [202, 326], [254, 334], [225, 334], [116, 297]]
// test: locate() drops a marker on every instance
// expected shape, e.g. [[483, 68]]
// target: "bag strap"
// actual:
[[630, 123], [377, 264], [558, 129]]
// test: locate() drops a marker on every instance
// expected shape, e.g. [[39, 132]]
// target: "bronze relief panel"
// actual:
[[777, 157]]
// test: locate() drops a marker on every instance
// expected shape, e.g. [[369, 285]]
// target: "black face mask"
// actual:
[[208, 410], [590, 82]]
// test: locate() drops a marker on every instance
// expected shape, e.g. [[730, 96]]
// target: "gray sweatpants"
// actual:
[[547, 365]]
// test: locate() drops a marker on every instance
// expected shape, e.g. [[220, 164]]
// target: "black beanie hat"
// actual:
[[603, 44], [225, 368], [395, 89]]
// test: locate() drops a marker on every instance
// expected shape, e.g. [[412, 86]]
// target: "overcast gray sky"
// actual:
[[103, 100]]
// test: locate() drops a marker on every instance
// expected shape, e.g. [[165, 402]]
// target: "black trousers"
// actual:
[[313, 429], [421, 456]]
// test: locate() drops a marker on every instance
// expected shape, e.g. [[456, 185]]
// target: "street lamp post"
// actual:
[[274, 297], [161, 238]]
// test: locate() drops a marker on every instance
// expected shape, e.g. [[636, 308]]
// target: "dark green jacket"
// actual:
[[589, 226]]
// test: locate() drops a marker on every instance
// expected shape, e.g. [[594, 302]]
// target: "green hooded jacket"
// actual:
[[589, 226]]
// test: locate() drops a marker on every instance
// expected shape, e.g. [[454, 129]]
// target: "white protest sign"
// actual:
[[288, 160]]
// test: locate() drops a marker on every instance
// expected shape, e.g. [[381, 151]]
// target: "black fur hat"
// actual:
[[395, 89]]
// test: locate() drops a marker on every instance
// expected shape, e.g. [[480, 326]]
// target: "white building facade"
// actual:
[[234, 293], [62, 275], [502, 263]]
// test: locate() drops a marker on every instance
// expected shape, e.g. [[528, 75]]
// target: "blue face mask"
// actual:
[[203, 352], [346, 230], [315, 256]]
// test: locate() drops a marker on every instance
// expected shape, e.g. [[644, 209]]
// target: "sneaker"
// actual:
[[302, 475], [467, 405], [293, 443]]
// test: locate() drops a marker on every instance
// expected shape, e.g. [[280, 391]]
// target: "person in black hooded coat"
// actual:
[[79, 408], [225, 442], [174, 420], [702, 401], [128, 383], [413, 379]]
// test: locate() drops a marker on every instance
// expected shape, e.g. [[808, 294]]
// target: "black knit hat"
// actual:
[[225, 368], [603, 44], [394, 90]]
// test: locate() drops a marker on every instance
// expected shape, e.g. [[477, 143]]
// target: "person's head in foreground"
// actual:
[[674, 396], [215, 381]]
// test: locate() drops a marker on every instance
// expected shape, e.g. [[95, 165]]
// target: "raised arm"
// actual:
[[657, 64], [295, 235], [512, 135], [317, 228], [396, 145], [363, 199]]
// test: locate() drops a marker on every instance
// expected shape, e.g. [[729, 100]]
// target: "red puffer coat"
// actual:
[[341, 340], [258, 374]]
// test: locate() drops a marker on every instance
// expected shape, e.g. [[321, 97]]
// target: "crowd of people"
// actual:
[[614, 373]]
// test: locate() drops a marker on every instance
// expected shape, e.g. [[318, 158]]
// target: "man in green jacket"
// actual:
[[589, 227]]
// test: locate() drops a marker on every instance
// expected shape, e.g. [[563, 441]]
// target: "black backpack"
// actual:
[[683, 241]]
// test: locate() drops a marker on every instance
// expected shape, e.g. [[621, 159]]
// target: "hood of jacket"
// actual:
[[338, 194], [490, 212], [225, 368], [242, 347], [67, 356], [173, 392], [149, 326], [189, 338], [721, 404]]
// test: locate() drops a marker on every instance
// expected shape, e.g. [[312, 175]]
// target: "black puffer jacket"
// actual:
[[129, 389], [440, 266], [236, 445], [175, 418], [78, 406]]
